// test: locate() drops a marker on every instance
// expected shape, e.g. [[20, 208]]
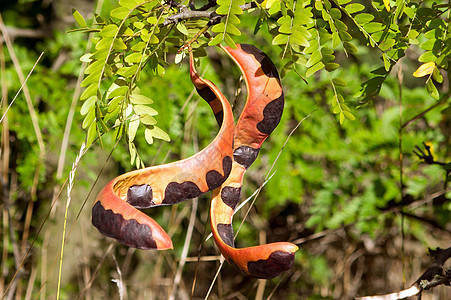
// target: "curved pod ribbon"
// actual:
[[115, 212], [261, 114], [219, 167]]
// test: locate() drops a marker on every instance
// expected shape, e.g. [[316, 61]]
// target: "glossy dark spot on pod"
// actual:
[[271, 115], [231, 196], [140, 196], [206, 93], [128, 232], [178, 192], [268, 67], [277, 262], [214, 179], [226, 233], [245, 155]]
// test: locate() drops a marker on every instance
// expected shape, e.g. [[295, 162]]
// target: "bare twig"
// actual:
[[185, 13], [14, 32], [433, 276]]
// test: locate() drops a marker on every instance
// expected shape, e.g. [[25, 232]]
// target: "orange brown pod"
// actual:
[[115, 212], [260, 115], [219, 167]]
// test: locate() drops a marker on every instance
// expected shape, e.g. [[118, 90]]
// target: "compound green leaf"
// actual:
[[140, 99], [148, 135], [109, 31], [350, 48], [92, 134], [432, 89], [144, 110], [373, 27], [182, 28], [89, 91], [314, 58], [314, 69], [428, 56], [88, 105], [133, 127], [120, 12], [134, 57], [331, 67], [280, 39], [335, 39], [92, 78], [229, 41], [363, 18], [160, 134], [79, 18], [119, 91], [339, 82], [354, 7], [89, 119]]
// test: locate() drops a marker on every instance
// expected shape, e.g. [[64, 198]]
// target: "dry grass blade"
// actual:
[[70, 185], [189, 233], [22, 86], [16, 63], [13, 281]]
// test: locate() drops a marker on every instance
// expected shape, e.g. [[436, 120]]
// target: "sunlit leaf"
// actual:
[[119, 91], [160, 134], [91, 134], [119, 12], [144, 110], [89, 91], [363, 18], [140, 99], [387, 5], [424, 69], [181, 27], [79, 18], [109, 31], [354, 7], [88, 105], [133, 127], [148, 135]]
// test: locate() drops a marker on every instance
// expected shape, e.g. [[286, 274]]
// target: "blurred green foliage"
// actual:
[[332, 174]]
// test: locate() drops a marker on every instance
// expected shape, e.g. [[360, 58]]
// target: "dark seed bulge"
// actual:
[[277, 262], [140, 196], [128, 232], [226, 233]]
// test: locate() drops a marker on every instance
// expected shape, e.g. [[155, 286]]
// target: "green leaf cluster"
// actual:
[[308, 33], [401, 28], [128, 40], [230, 9]]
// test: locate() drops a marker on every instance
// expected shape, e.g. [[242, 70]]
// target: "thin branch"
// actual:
[[421, 114], [185, 13], [14, 32], [433, 276]]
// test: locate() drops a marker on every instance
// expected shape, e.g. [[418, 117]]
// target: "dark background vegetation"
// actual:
[[362, 213]]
